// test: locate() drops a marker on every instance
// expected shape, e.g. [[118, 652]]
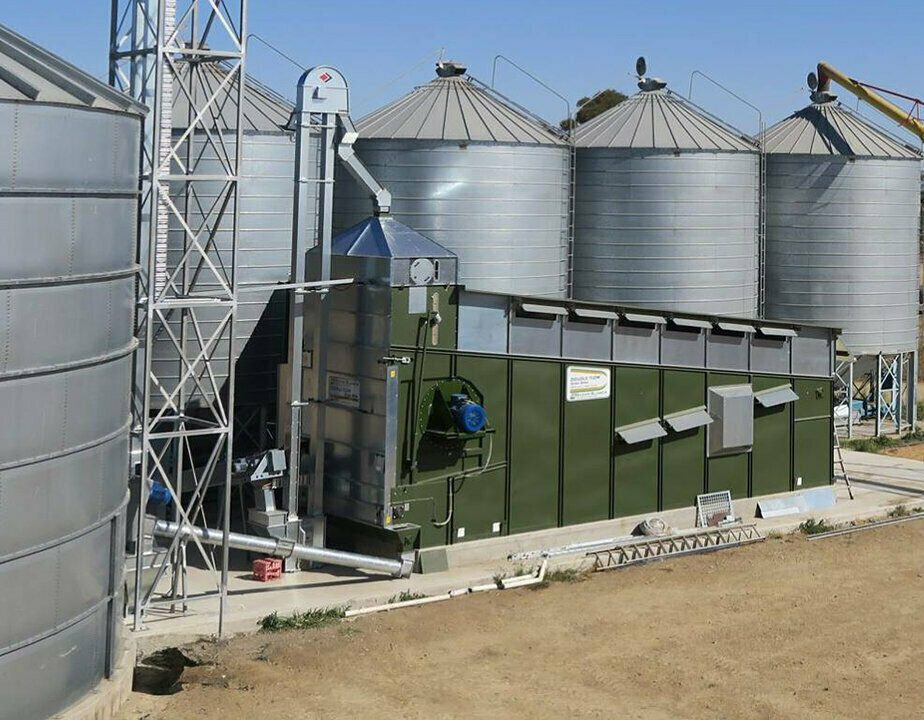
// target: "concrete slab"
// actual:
[[880, 482]]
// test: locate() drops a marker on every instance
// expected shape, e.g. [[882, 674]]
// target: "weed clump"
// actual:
[[568, 575], [309, 620], [815, 527], [405, 596]]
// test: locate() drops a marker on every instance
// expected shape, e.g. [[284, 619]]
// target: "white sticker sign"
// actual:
[[587, 383], [343, 389]]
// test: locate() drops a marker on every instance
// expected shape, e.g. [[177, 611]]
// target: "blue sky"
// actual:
[[761, 50]]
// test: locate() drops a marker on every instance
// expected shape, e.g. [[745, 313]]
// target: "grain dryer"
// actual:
[[453, 415]]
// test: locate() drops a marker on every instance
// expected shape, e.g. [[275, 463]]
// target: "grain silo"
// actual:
[[843, 218], [264, 251], [474, 173], [843, 211], [666, 208], [69, 163]]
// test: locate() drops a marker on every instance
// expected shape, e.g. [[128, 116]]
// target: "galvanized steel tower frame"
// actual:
[[156, 48]]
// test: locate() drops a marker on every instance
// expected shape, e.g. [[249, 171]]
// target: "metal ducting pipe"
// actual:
[[284, 549]]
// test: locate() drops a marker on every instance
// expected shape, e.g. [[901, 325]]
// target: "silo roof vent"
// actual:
[[650, 84], [450, 68]]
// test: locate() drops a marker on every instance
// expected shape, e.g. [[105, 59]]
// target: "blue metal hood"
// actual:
[[386, 237]]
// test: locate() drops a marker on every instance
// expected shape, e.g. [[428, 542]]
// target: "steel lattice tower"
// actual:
[[187, 288]]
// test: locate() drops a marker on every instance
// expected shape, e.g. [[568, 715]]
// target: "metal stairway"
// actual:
[[657, 548]]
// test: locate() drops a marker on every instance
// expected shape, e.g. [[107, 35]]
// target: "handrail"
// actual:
[[532, 77], [760, 115]]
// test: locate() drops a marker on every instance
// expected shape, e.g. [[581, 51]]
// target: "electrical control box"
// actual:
[[732, 428]]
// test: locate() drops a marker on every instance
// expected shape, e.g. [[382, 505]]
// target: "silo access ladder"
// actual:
[[658, 548], [839, 463]]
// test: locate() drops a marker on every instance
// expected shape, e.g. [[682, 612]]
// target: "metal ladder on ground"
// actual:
[[839, 462], [657, 548]]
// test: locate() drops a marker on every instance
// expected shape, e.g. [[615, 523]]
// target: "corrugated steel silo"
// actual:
[[69, 163], [264, 238], [475, 174], [843, 212], [666, 208]]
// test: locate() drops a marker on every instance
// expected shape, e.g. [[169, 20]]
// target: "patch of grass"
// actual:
[[871, 444], [274, 622], [405, 596], [519, 570], [898, 511], [349, 630], [884, 442], [815, 527]]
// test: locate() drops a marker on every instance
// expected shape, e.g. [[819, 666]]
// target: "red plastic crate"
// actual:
[[267, 569]]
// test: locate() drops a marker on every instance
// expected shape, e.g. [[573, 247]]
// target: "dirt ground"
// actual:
[[909, 452], [783, 629]]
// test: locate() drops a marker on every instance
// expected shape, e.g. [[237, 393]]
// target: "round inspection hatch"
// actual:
[[422, 271]]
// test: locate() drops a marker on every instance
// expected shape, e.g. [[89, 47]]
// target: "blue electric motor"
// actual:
[[159, 494], [470, 416]]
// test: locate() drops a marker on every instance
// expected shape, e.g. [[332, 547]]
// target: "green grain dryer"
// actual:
[[451, 416]]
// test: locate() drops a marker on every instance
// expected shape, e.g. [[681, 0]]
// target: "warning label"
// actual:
[[343, 389], [587, 383]]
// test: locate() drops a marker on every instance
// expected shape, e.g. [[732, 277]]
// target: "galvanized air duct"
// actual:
[[285, 549]]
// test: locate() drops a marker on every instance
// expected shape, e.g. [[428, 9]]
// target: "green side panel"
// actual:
[[424, 504], [478, 506], [435, 458], [407, 331], [683, 454], [637, 393], [771, 457], [729, 472], [814, 398], [534, 445], [586, 461], [814, 442], [489, 375], [683, 389], [813, 437]]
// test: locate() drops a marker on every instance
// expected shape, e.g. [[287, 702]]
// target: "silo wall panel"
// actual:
[[842, 247], [264, 256], [68, 209], [503, 209], [667, 231]]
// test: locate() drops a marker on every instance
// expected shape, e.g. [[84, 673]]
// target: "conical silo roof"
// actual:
[[386, 237], [265, 110], [829, 128], [660, 120], [31, 73], [453, 107]]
